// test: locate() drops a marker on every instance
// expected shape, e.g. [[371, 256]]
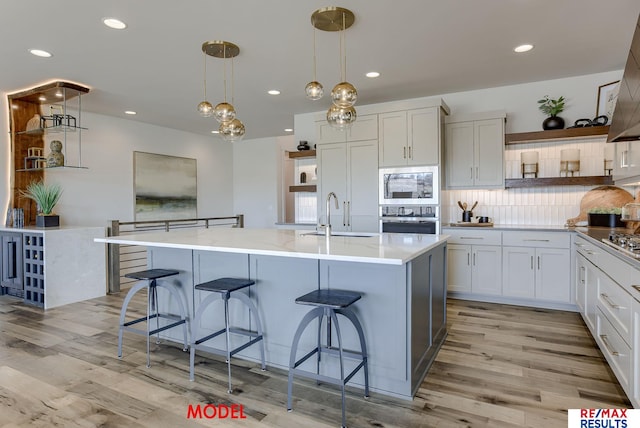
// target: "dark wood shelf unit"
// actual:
[[302, 154], [303, 188], [556, 135], [596, 180]]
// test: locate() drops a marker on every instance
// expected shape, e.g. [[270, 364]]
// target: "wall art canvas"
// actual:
[[165, 187]]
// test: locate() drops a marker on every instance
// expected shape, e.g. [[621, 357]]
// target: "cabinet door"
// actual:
[[486, 276], [489, 153], [581, 284], [332, 177], [635, 363], [591, 288], [392, 133], [553, 276], [423, 136], [11, 260], [364, 128], [459, 267], [328, 134], [362, 198], [459, 154], [519, 273]]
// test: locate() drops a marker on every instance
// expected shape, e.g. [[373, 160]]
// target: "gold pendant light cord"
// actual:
[[224, 78], [232, 83], [204, 55], [344, 43], [315, 78]]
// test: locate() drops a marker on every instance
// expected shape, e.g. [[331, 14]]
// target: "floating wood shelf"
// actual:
[[556, 135], [512, 183], [302, 154], [303, 188]]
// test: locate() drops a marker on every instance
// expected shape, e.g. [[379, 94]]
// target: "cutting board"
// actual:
[[603, 197]]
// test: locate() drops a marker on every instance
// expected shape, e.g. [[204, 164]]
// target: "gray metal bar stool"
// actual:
[[224, 287], [329, 303], [151, 284]]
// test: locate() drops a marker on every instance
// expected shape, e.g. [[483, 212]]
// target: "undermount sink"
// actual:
[[347, 234]]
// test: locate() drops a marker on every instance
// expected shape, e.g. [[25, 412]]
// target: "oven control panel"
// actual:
[[409, 211]]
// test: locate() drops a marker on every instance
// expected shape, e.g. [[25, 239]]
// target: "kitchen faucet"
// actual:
[[327, 227]]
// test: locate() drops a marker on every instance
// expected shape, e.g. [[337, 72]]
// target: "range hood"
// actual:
[[625, 123]]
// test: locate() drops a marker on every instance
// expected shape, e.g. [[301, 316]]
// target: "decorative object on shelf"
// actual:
[[601, 196], [17, 218], [569, 161], [607, 97], [552, 108], [55, 158], [605, 217], [33, 124], [46, 197], [231, 128], [9, 217], [34, 152], [341, 114], [304, 145], [529, 164], [205, 109], [303, 177], [609, 154]]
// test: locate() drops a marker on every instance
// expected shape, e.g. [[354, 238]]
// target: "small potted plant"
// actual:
[[605, 217], [46, 197], [552, 108]]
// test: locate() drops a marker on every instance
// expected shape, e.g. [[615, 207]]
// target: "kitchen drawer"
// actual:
[[621, 272], [537, 239], [590, 251], [474, 237], [615, 350], [616, 304]]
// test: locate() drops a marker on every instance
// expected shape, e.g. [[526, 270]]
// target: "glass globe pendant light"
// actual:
[[232, 131], [344, 94], [314, 90], [205, 109], [341, 117]]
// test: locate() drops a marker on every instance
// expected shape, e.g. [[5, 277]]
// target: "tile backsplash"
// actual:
[[551, 205]]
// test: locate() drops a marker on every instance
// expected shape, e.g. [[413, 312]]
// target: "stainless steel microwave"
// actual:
[[415, 185]]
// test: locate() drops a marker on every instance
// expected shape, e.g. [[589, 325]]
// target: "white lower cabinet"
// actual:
[[475, 262]]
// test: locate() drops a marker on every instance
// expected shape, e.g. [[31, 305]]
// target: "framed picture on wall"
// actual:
[[165, 187], [607, 97]]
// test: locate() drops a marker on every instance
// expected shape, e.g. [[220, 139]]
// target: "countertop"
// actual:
[[381, 248], [47, 229], [539, 228]]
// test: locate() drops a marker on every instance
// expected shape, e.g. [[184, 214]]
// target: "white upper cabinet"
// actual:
[[474, 153], [410, 137], [364, 128]]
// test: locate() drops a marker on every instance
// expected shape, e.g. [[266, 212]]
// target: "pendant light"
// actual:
[[231, 128], [341, 114], [314, 89], [205, 108]]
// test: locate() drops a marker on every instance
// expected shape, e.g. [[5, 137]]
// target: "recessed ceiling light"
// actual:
[[59, 94], [372, 74], [114, 23], [273, 92], [523, 48], [40, 53], [215, 132], [288, 130], [42, 98], [131, 112]]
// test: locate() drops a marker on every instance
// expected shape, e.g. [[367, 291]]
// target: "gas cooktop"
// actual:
[[627, 243]]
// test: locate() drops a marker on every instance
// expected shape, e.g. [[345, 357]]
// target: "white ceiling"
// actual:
[[420, 47]]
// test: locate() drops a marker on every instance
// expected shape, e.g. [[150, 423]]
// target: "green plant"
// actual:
[[551, 107], [603, 210], [46, 196]]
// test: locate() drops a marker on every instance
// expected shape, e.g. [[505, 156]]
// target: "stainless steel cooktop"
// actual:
[[627, 243]]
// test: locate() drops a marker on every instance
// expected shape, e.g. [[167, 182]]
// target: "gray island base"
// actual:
[[401, 278]]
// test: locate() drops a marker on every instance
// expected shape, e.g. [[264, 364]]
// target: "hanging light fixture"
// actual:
[[314, 89], [231, 128], [341, 114], [205, 108]]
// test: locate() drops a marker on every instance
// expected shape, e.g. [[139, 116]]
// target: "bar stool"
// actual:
[[329, 303], [151, 285], [224, 287]]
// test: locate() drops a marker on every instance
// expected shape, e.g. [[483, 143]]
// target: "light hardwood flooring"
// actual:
[[501, 366]]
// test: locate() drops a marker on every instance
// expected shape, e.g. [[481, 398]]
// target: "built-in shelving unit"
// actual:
[[303, 188], [556, 135], [512, 183], [302, 154]]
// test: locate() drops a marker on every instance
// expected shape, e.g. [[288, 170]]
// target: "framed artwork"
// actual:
[[165, 187], [607, 97]]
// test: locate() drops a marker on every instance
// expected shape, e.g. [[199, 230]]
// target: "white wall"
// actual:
[[257, 169], [104, 191]]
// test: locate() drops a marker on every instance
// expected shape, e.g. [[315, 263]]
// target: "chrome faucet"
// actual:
[[327, 227]]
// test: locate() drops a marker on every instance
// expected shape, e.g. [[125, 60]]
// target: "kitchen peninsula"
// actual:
[[402, 278]]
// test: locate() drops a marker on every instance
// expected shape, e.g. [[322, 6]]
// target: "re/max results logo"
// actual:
[[603, 418]]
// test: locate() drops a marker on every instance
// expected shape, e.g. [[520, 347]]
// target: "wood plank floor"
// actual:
[[501, 366]]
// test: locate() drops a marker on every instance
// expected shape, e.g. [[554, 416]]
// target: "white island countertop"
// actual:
[[381, 248]]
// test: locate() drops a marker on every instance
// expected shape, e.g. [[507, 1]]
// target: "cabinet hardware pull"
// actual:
[[578, 245], [349, 214], [471, 237], [404, 153], [536, 240], [477, 173], [636, 287], [471, 173], [610, 302], [344, 213], [474, 259], [11, 252], [538, 262], [607, 345], [410, 156], [624, 163], [531, 262], [468, 260]]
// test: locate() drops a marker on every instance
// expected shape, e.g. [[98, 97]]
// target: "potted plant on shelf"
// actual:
[[552, 108], [46, 197], [605, 217]]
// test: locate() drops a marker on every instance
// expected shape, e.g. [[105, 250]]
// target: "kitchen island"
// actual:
[[402, 278]]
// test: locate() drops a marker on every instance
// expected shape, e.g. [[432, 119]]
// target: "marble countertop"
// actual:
[[539, 228], [381, 248]]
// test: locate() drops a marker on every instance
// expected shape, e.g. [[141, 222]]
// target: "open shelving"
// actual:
[[556, 135]]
